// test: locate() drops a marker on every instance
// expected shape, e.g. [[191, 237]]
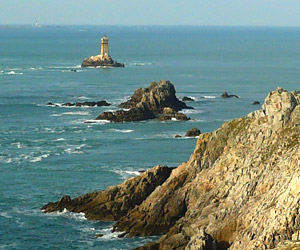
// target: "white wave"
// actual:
[[65, 213], [39, 158], [76, 113], [125, 174], [123, 130], [83, 97], [60, 139], [56, 115], [5, 215], [209, 97], [174, 119], [9, 160], [192, 111], [64, 67], [18, 144], [14, 73], [96, 121], [141, 63]]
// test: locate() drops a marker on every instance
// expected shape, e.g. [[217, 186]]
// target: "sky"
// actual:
[[152, 12]]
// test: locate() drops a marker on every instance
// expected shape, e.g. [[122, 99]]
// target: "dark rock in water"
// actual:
[[97, 61], [149, 103], [156, 97], [81, 104], [52, 104], [131, 115], [187, 99], [226, 95], [73, 70], [256, 103], [193, 132], [99, 235], [142, 171], [86, 104], [177, 136], [114, 202]]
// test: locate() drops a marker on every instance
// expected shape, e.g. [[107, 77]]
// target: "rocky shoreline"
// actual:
[[240, 189]]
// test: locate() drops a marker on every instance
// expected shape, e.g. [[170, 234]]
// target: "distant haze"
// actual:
[[152, 12]]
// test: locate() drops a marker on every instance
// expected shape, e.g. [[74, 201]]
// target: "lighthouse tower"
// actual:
[[104, 48]]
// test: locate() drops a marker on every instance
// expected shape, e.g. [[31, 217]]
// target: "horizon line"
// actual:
[[155, 25]]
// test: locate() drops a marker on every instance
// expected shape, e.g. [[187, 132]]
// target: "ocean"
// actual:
[[47, 152]]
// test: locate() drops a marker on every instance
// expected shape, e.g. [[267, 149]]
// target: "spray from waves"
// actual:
[[209, 97], [192, 111], [60, 139], [125, 174], [76, 113], [124, 131], [65, 213], [39, 158], [12, 73], [96, 121]]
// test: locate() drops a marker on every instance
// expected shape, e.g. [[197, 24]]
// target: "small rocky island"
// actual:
[[156, 101], [102, 60], [240, 189]]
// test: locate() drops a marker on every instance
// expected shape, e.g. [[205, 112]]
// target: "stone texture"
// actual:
[[226, 95], [157, 101], [240, 189], [98, 61], [115, 201], [193, 132]]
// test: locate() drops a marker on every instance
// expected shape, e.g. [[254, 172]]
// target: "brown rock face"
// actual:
[[193, 132], [240, 189], [149, 103], [116, 201]]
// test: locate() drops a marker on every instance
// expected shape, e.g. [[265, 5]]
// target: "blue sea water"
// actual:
[[47, 152]]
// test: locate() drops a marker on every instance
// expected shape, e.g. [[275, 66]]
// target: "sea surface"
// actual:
[[47, 152]]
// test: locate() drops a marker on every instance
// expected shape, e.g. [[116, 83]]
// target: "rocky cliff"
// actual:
[[239, 190]]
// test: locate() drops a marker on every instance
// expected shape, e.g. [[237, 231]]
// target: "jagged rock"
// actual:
[[193, 132], [256, 103], [80, 104], [98, 61], [149, 103], [187, 99], [133, 114], [226, 95], [86, 104], [177, 136], [156, 97], [240, 189], [115, 201], [171, 114]]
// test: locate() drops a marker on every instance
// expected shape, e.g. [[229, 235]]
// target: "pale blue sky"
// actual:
[[152, 12]]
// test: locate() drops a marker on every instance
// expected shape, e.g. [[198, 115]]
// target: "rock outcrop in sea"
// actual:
[[157, 101], [80, 104], [240, 189], [99, 61]]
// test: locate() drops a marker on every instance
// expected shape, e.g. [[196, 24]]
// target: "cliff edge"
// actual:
[[239, 190]]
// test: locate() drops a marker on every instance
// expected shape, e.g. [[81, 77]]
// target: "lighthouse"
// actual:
[[104, 48]]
